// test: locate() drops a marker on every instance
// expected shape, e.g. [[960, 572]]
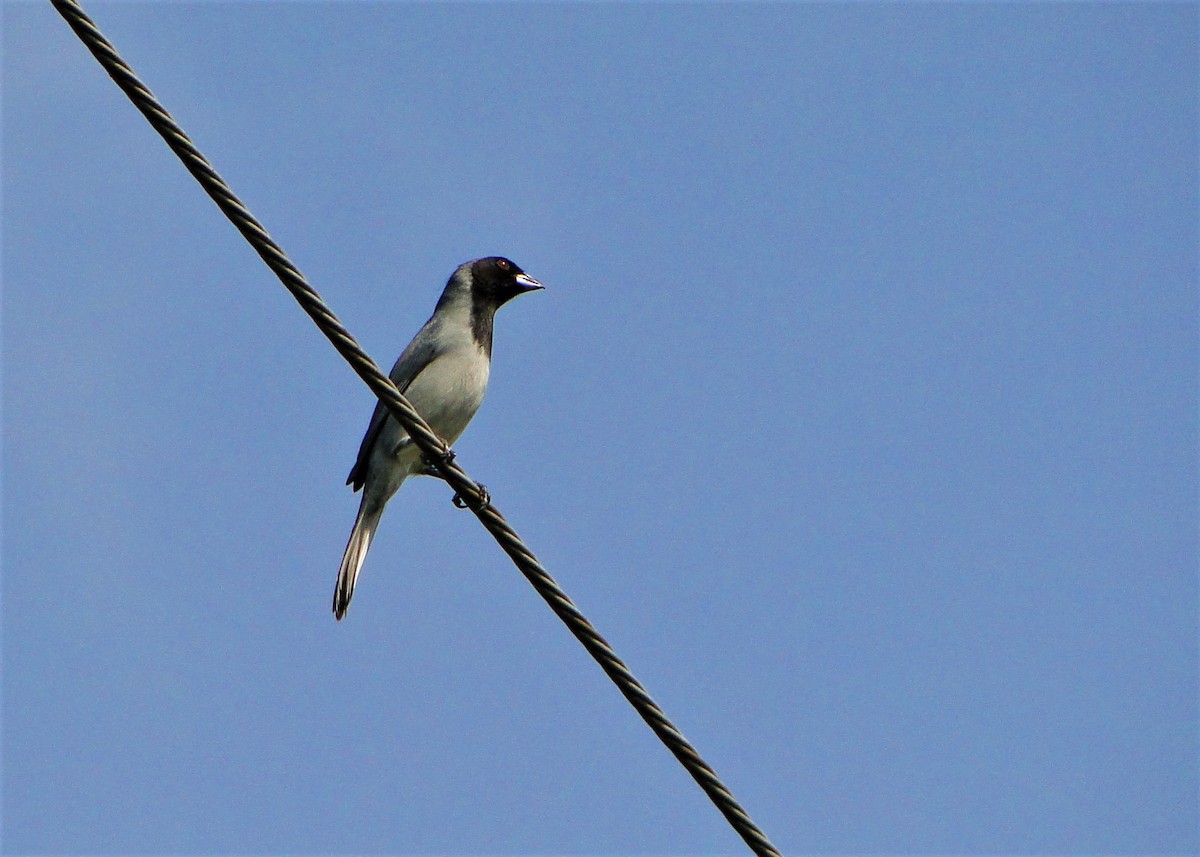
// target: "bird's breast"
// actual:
[[450, 390]]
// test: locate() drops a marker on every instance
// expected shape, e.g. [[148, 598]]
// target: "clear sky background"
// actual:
[[859, 414]]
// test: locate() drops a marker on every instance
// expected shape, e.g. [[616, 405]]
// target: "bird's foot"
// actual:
[[475, 503], [428, 468]]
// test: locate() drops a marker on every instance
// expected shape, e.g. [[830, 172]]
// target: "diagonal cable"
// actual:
[[433, 447]]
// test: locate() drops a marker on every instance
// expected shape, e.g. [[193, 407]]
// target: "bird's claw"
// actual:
[[483, 499], [428, 468]]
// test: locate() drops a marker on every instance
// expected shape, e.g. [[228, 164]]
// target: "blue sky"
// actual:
[[859, 414]]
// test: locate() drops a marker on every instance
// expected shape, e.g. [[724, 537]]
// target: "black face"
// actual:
[[499, 280]]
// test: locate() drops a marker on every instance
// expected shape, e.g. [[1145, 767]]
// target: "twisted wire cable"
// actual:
[[430, 444]]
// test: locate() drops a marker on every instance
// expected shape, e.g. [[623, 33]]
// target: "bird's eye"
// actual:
[[502, 264]]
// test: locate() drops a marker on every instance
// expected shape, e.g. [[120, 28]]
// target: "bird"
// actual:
[[444, 374]]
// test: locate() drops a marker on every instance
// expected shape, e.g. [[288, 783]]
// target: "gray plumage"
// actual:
[[444, 373]]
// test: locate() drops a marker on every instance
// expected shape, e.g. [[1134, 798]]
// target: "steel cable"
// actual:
[[433, 447]]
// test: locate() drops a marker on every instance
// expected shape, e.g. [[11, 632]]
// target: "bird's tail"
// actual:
[[352, 559]]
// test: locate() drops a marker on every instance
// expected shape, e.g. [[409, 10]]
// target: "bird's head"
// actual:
[[496, 280]]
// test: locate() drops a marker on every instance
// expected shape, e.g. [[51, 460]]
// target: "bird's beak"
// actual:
[[528, 283]]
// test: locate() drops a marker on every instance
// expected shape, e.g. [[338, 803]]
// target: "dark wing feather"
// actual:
[[419, 354]]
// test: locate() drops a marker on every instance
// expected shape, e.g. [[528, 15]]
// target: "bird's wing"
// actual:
[[419, 354]]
